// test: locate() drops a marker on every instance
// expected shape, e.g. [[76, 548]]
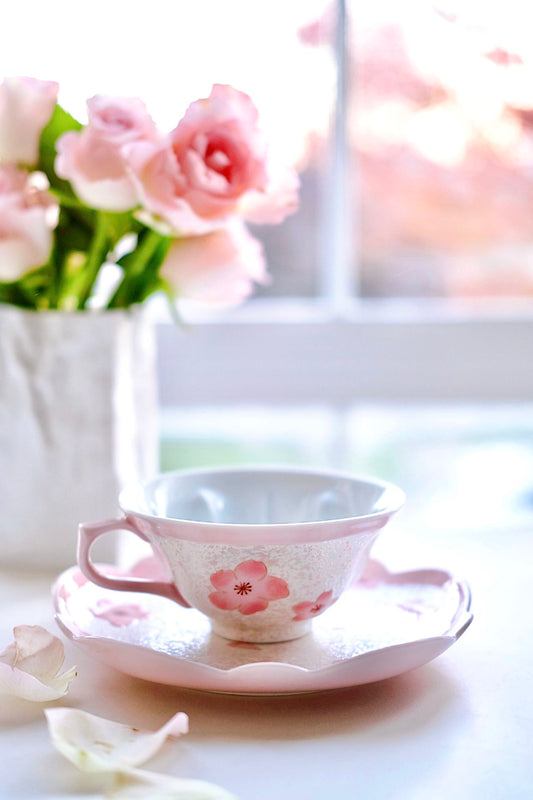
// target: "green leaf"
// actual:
[[30, 291], [121, 223], [60, 123], [141, 268], [11, 294], [101, 245], [70, 236]]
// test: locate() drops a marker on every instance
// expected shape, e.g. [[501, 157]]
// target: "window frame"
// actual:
[[338, 348], [307, 352]]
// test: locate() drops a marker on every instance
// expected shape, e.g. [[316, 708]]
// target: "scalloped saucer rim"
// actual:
[[136, 635]]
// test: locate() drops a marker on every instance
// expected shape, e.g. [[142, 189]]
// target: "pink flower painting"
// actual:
[[310, 609], [248, 588], [120, 615]]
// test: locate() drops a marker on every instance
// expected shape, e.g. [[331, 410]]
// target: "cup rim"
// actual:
[[395, 495]]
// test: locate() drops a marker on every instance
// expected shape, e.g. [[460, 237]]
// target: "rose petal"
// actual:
[[20, 684], [37, 651], [96, 744], [156, 175], [277, 201], [26, 105], [140, 784], [218, 269], [27, 215], [29, 666]]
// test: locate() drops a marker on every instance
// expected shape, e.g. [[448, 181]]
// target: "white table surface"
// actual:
[[460, 727]]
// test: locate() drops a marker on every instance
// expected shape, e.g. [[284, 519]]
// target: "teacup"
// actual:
[[260, 551]]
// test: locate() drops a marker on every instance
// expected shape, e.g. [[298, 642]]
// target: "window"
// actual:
[[439, 129], [408, 356], [406, 275], [419, 184]]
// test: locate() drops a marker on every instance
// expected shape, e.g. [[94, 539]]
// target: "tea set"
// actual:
[[261, 581]]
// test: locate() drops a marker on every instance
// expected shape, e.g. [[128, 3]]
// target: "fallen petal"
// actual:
[[139, 785], [29, 666], [95, 744]]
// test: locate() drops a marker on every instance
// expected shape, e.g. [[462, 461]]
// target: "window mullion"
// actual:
[[337, 281]]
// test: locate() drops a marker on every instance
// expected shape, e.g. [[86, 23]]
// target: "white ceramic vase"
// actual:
[[78, 420]]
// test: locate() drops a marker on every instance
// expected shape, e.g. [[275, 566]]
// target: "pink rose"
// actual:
[[220, 152], [26, 105], [279, 199], [92, 159], [213, 165], [27, 216], [218, 268], [158, 178]]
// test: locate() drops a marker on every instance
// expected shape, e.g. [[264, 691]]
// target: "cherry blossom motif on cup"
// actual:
[[120, 615], [248, 588], [309, 609]]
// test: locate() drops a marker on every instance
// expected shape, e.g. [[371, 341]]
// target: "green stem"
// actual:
[[57, 275], [18, 295], [172, 307], [66, 201], [139, 267], [96, 256]]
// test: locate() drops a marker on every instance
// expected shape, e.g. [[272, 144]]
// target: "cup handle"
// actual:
[[88, 532]]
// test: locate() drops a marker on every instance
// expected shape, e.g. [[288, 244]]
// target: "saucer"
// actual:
[[386, 624]]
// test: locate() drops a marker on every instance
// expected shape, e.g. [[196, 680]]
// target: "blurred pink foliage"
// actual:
[[459, 224]]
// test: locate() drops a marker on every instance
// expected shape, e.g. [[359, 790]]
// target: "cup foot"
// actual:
[[245, 633]]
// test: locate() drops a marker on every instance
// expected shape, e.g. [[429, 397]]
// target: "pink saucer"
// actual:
[[385, 625]]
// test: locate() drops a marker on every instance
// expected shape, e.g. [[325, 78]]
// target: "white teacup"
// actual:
[[260, 551]]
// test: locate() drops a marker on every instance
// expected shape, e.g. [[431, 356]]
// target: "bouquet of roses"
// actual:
[[159, 212]]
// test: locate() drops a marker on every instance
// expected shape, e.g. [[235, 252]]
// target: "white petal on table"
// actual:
[[30, 665], [95, 744], [140, 785]]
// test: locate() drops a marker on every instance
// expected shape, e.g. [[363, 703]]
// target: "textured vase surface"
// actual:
[[78, 405]]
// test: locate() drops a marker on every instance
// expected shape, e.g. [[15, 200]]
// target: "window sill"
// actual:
[[307, 351]]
